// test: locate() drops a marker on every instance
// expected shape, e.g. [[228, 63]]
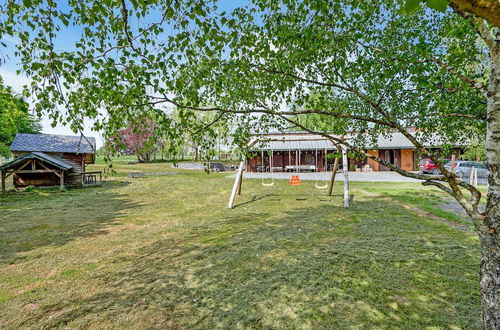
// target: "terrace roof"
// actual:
[[293, 141]]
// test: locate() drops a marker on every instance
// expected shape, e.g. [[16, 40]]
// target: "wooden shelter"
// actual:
[[51, 160]]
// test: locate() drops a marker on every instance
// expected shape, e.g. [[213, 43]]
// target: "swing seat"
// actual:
[[268, 184], [321, 187], [295, 181]]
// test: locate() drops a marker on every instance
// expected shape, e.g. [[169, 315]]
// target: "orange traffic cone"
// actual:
[[295, 181]]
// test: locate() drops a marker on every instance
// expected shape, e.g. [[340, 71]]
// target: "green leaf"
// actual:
[[439, 5], [411, 5]]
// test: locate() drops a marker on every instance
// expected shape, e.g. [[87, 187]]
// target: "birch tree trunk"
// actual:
[[196, 153], [489, 234], [345, 168]]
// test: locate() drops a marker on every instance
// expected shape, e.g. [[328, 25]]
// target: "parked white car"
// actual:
[[463, 168]]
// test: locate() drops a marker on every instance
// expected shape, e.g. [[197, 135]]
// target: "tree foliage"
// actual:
[[15, 117], [347, 60], [475, 151]]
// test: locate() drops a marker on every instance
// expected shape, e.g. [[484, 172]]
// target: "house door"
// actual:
[[389, 156]]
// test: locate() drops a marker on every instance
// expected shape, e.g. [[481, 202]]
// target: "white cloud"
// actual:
[[14, 80]]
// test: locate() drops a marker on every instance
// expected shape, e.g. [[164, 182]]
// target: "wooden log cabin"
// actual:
[[51, 160]]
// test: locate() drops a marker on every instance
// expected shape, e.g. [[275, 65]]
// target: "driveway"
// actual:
[[384, 176]]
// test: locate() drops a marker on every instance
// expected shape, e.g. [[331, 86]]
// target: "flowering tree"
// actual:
[[138, 139]]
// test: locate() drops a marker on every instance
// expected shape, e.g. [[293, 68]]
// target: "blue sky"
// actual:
[[8, 69]]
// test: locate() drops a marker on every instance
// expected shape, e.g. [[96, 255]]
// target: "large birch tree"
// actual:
[[362, 64]]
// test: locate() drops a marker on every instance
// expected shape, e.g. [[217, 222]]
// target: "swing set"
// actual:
[[294, 180], [294, 170]]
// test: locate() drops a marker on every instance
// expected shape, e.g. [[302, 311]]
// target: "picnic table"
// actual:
[[300, 168]]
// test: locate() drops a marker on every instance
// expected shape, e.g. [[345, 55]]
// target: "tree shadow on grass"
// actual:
[[437, 204], [30, 220], [368, 266], [277, 197], [254, 199]]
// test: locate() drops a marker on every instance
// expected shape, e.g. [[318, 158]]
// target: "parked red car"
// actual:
[[426, 165]]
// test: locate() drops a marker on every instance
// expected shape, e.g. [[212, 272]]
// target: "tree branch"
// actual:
[[439, 185], [166, 99], [125, 24], [488, 10], [472, 83]]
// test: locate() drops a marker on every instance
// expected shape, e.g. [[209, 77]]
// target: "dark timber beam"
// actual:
[[332, 178], [50, 170], [38, 171], [3, 182], [23, 166], [239, 185]]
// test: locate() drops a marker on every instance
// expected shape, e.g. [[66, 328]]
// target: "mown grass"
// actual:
[[429, 200], [165, 252]]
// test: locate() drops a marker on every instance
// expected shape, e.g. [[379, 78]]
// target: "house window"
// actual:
[[309, 159]]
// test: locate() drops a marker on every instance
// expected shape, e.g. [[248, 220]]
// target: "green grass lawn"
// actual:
[[165, 252]]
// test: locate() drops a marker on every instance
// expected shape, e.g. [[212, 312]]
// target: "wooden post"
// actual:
[[236, 185], [452, 163], [325, 162], [473, 177], [61, 179], [3, 182], [345, 168], [332, 178], [316, 160], [82, 177], [240, 184]]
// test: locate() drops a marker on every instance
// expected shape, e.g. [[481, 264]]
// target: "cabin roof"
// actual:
[[53, 143], [40, 156]]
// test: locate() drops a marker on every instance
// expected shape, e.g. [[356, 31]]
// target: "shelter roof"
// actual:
[[39, 156]]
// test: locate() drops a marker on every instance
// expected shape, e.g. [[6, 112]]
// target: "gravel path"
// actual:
[[324, 176], [452, 205], [189, 166]]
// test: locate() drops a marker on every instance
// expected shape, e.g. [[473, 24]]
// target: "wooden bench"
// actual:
[[90, 179], [136, 174]]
